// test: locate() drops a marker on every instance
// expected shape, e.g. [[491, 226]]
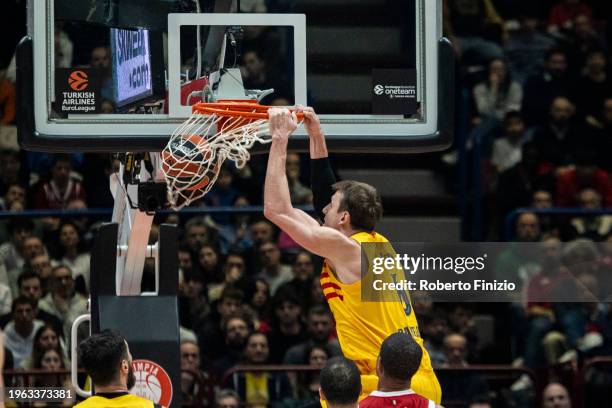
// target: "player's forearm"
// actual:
[[318, 147], [276, 189], [321, 181]]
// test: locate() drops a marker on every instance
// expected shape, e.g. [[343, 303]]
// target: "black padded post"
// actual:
[[149, 323], [168, 259]]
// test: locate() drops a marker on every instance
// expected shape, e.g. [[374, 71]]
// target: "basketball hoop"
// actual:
[[214, 132]]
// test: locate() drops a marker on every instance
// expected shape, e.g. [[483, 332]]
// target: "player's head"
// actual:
[[340, 383], [354, 205], [399, 358], [107, 360]]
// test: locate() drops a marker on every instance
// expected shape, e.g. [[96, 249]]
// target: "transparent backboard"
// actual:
[[117, 75]]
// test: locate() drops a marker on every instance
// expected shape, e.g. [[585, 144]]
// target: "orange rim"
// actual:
[[235, 109]]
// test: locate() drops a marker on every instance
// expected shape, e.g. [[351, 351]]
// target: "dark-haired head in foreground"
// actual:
[[399, 359], [107, 360], [340, 383]]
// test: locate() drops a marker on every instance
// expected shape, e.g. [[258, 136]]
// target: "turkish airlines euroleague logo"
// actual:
[[77, 90], [78, 81], [152, 382]]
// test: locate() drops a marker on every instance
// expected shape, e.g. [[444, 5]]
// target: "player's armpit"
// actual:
[[320, 240]]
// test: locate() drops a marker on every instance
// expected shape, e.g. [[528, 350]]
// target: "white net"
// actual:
[[193, 157]]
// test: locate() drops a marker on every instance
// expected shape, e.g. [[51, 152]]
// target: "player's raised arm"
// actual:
[[324, 241], [318, 147], [277, 199], [321, 174]]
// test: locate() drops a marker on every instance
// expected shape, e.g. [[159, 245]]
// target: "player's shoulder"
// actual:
[[123, 401], [370, 402], [368, 236], [399, 399]]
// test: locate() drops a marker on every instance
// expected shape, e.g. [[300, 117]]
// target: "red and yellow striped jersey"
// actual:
[[363, 325]]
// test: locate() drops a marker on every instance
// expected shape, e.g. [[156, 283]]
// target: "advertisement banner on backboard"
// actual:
[[131, 65], [77, 90], [394, 92]]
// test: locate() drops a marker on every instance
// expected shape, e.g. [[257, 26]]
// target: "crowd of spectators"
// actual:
[[541, 97]]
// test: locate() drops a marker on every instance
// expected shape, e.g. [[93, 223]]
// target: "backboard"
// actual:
[[120, 75]]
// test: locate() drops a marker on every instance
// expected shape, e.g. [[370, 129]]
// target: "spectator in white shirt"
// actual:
[[62, 301], [30, 286], [31, 248], [20, 331], [41, 265], [507, 149], [71, 254], [6, 299], [11, 256], [499, 94]]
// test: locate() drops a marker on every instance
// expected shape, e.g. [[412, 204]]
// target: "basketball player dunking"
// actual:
[[350, 211]]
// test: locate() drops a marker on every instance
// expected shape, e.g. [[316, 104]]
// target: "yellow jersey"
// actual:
[[362, 326], [120, 401]]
